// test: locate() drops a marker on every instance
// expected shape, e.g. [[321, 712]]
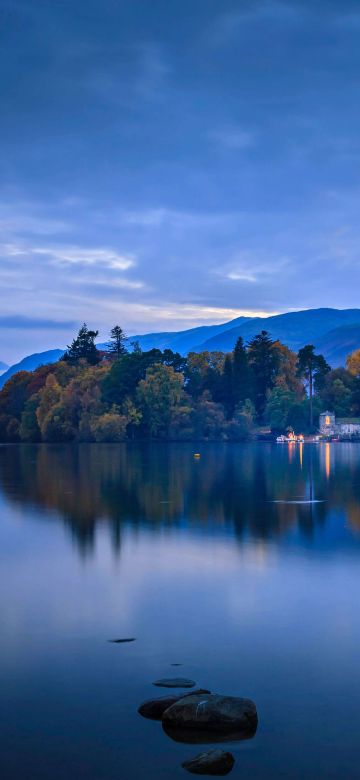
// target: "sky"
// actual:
[[170, 164]]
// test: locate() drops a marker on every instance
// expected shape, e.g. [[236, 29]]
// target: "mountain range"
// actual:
[[334, 332]]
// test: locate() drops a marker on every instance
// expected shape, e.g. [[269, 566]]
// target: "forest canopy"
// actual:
[[125, 393]]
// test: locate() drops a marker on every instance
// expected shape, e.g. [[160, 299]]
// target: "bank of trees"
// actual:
[[124, 393]]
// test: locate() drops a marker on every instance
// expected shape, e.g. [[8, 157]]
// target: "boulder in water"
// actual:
[[214, 762], [211, 712], [155, 708], [175, 682]]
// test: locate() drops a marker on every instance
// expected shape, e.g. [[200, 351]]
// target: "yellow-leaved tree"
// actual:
[[353, 363]]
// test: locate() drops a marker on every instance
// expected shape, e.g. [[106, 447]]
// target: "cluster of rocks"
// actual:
[[202, 716]]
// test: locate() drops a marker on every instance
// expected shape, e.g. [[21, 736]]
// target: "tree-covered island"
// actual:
[[125, 393]]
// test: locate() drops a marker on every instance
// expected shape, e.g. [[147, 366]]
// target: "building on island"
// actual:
[[346, 427]]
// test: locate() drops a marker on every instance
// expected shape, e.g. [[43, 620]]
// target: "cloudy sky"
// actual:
[[166, 164]]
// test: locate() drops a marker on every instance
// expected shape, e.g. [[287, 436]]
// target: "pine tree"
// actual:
[[83, 346], [313, 369], [116, 345], [264, 362], [228, 386], [242, 385]]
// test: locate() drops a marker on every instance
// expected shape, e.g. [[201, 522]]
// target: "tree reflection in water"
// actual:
[[237, 489]]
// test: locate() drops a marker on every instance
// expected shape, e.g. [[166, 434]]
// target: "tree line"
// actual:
[[126, 393]]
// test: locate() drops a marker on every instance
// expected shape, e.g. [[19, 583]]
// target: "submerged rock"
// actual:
[[155, 708], [120, 641], [175, 682], [212, 712], [214, 762]]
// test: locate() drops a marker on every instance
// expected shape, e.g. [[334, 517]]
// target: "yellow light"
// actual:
[[196, 454], [327, 460], [327, 420]]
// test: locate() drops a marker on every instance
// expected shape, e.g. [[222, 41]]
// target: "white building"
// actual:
[[345, 427]]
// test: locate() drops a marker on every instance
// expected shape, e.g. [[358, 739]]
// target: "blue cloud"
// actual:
[[161, 162]]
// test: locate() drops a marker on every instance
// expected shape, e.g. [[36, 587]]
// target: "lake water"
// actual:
[[243, 566]]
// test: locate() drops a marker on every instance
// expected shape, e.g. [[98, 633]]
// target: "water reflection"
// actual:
[[208, 565], [259, 491], [203, 737]]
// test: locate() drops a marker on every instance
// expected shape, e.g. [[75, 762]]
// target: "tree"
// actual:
[[209, 418], [159, 395], [174, 359], [264, 362], [240, 428], [242, 381], [29, 427], [279, 403], [204, 372], [337, 392], [136, 347], [116, 345], [125, 374], [353, 363], [109, 427], [287, 374], [49, 397], [227, 395], [15, 394], [83, 346], [312, 368]]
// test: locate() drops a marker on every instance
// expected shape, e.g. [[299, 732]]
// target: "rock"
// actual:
[[211, 712], [175, 682], [206, 737], [120, 641], [214, 762], [155, 708]]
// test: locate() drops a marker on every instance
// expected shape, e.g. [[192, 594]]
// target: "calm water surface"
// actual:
[[219, 564]]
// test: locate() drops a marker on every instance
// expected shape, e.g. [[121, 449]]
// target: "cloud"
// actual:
[[77, 255], [189, 315], [233, 138], [20, 322], [253, 266], [241, 276], [229, 26], [19, 219], [175, 218]]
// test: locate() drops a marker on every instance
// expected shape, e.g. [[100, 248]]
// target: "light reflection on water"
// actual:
[[242, 565]]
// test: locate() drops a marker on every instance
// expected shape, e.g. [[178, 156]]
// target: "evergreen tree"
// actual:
[[313, 369], [83, 346], [242, 388], [228, 386], [116, 345], [264, 362]]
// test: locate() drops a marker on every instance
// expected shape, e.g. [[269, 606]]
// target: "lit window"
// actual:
[[327, 420]]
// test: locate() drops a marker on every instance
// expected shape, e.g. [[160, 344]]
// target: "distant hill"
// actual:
[[3, 367], [31, 362], [337, 344], [185, 341], [334, 332], [294, 328], [324, 328]]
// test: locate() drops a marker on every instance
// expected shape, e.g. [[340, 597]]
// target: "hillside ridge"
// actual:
[[334, 332]]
